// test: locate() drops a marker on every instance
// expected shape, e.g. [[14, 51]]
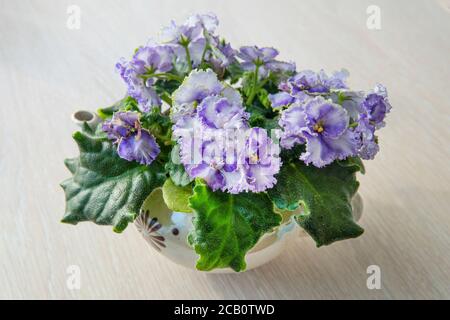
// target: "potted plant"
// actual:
[[218, 155]]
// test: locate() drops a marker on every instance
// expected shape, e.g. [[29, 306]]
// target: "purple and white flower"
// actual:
[[220, 113], [154, 59], [368, 147], [264, 59], [197, 86], [373, 110], [323, 126], [283, 99], [236, 161], [220, 55], [133, 142], [307, 84], [192, 36], [376, 106], [146, 61], [293, 122], [261, 160], [316, 83], [327, 134]]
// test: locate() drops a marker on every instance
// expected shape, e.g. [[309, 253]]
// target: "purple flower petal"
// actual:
[[217, 112], [317, 83], [280, 99], [264, 58], [151, 58], [289, 140], [267, 54], [197, 86], [293, 119], [326, 118], [280, 66], [262, 160], [249, 53], [121, 125], [157, 58], [321, 150], [208, 21], [375, 107], [141, 148], [368, 147], [213, 177]]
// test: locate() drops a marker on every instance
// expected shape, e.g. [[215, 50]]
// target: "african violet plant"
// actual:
[[236, 137]]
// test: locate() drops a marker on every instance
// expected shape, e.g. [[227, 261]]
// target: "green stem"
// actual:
[[188, 57], [204, 53], [255, 83], [168, 76]]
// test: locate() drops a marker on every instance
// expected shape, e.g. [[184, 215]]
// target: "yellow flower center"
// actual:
[[318, 127], [254, 158]]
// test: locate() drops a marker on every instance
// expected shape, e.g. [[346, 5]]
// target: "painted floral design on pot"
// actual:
[[166, 231], [149, 227]]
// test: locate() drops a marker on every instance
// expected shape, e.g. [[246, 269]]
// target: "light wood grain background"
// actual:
[[47, 71]]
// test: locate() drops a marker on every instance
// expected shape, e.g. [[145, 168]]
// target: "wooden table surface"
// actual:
[[48, 70]]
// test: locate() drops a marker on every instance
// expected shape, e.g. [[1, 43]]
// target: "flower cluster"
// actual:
[[139, 74], [331, 121], [216, 143], [134, 142], [212, 119], [263, 60]]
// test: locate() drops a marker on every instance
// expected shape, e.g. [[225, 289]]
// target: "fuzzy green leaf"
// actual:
[[106, 189], [175, 197], [127, 103], [227, 226], [353, 162], [325, 194]]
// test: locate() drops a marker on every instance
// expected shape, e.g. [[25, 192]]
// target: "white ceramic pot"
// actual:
[[166, 231]]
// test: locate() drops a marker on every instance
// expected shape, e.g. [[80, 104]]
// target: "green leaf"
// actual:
[[261, 116], [106, 189], [166, 86], [353, 162], [175, 197], [234, 72], [127, 103], [227, 226], [176, 169], [263, 97], [325, 194]]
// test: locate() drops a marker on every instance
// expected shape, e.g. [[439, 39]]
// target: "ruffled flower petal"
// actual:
[[264, 58], [197, 86], [317, 83], [376, 106], [280, 99], [213, 177], [293, 119], [218, 113], [280, 66], [321, 150], [141, 147], [325, 117]]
